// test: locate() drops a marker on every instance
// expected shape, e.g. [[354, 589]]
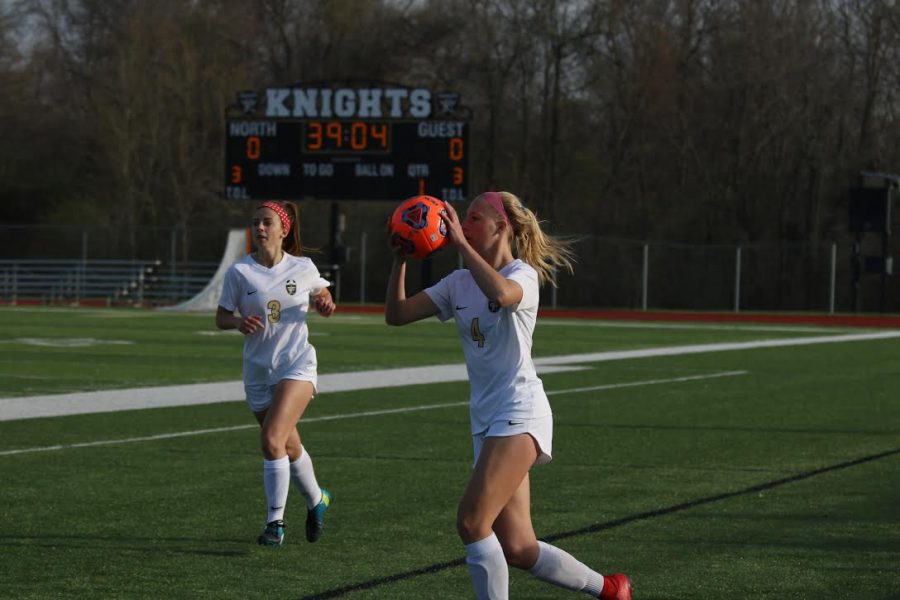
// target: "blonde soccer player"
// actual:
[[272, 291], [494, 302]]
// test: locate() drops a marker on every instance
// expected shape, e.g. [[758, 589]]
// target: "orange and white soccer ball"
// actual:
[[416, 226]]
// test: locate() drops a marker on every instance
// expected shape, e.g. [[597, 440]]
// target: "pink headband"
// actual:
[[496, 202], [285, 219]]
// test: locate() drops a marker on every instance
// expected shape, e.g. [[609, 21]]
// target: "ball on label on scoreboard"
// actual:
[[416, 226]]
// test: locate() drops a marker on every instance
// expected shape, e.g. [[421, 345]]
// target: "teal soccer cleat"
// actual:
[[273, 535], [315, 518]]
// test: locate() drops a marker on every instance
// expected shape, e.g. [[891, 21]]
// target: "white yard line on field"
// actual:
[[357, 415], [694, 326], [56, 405], [613, 386], [719, 347], [209, 393]]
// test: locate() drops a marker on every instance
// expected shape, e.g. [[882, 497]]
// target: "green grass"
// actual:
[[682, 467]]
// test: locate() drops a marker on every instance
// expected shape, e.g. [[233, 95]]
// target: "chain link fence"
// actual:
[[635, 274], [610, 273]]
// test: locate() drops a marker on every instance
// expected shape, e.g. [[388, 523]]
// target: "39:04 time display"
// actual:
[[346, 136]]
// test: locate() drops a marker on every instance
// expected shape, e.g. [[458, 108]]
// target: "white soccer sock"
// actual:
[[560, 568], [488, 569], [304, 477], [276, 480]]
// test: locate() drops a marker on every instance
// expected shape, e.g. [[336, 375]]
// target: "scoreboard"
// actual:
[[345, 160], [362, 144]]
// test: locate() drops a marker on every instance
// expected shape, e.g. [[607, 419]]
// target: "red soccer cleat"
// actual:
[[616, 587]]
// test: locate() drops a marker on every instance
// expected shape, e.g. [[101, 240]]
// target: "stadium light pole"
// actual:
[[645, 275], [737, 280], [832, 279], [362, 267]]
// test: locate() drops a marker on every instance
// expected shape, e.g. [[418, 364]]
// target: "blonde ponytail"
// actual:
[[529, 243]]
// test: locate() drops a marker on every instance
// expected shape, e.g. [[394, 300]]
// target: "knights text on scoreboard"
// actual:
[[346, 143]]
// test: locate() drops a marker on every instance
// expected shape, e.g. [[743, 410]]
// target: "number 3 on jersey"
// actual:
[[274, 307], [477, 336]]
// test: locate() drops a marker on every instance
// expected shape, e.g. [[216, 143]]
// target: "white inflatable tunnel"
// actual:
[[207, 299]]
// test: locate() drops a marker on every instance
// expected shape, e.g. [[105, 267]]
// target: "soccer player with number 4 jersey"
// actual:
[[494, 302], [272, 290]]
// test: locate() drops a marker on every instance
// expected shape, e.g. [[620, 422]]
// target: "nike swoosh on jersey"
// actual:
[[251, 292], [461, 307]]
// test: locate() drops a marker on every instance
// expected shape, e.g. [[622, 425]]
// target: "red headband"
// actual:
[[496, 202], [282, 214]]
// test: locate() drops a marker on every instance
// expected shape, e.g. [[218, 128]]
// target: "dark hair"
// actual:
[[291, 242]]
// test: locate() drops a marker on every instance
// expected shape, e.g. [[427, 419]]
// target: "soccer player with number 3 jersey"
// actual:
[[494, 303], [272, 291]]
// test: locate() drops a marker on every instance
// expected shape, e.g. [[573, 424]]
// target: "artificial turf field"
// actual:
[[770, 472]]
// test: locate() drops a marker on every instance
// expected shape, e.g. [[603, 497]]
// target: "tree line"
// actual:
[[698, 121]]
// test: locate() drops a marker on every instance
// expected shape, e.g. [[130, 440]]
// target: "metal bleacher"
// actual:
[[109, 282]]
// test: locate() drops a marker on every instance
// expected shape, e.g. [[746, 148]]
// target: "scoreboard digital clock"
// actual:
[[346, 136], [376, 142]]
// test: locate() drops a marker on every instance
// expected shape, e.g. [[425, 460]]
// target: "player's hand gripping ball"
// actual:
[[416, 227]]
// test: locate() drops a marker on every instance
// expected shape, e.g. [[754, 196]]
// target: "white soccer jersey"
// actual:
[[280, 295], [503, 384]]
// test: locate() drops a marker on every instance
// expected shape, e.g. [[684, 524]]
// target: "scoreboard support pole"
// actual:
[[335, 236], [426, 273]]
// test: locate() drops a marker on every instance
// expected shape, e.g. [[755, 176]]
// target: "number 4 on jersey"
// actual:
[[477, 336]]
